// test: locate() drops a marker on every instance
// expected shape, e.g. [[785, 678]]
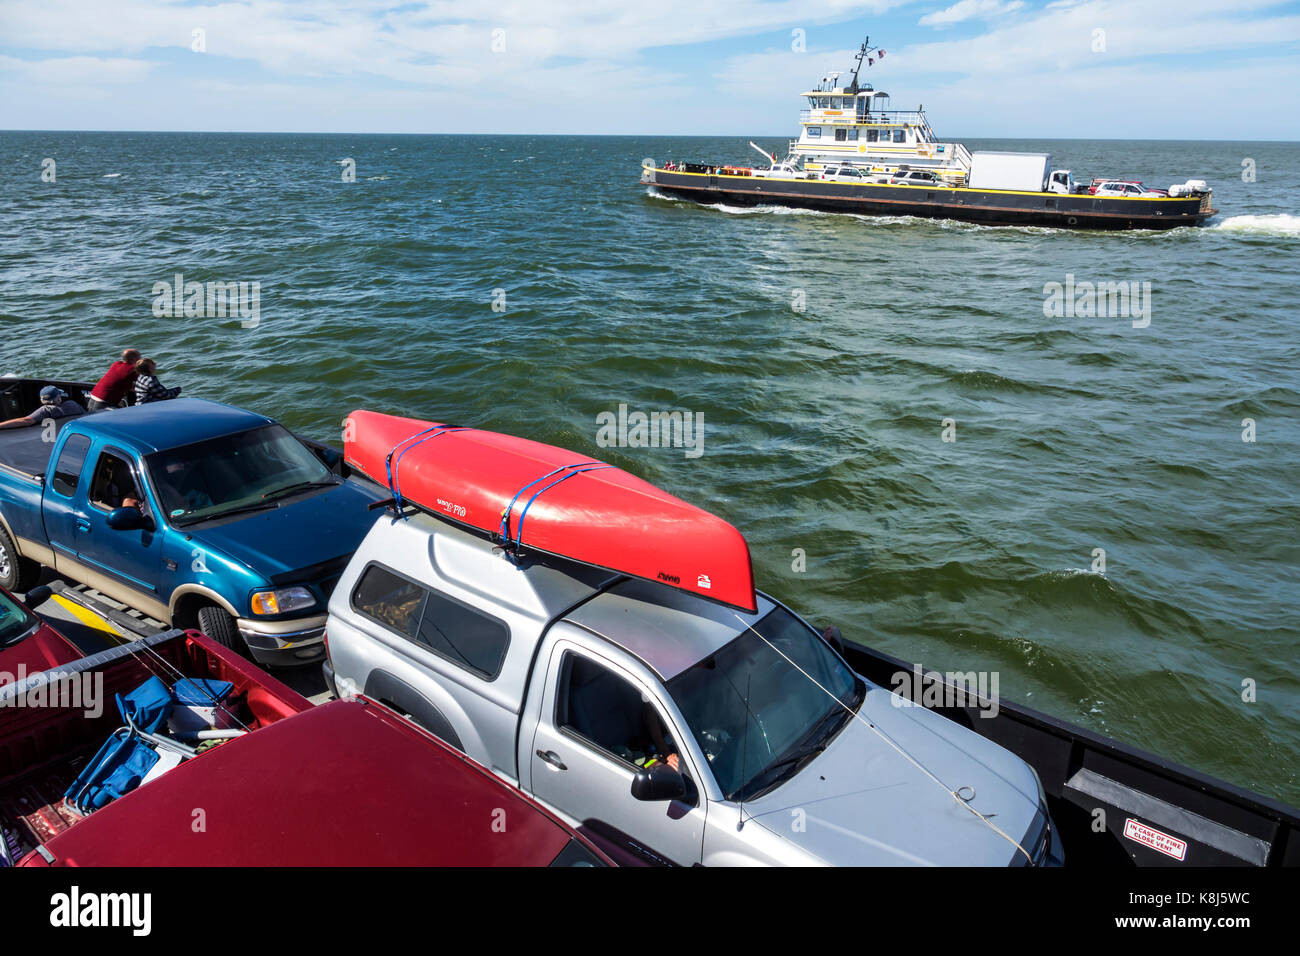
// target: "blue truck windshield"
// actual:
[[232, 473], [754, 715]]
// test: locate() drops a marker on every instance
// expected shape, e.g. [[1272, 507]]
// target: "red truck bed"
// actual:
[[348, 783], [51, 728]]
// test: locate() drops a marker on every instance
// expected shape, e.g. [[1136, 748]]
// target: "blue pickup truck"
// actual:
[[193, 512]]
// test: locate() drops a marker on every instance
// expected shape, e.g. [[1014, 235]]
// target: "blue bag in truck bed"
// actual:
[[124, 760], [147, 706], [203, 691], [118, 768], [199, 704]]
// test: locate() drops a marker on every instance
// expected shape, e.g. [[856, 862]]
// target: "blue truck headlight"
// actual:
[[282, 601]]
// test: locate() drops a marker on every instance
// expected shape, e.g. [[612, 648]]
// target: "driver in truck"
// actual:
[[114, 486], [616, 716]]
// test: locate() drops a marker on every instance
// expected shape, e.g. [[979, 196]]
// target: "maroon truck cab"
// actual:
[[27, 644]]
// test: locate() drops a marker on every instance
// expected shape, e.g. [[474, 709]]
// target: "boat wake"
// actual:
[[746, 210], [1280, 224]]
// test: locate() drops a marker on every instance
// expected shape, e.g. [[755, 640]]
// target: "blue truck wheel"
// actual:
[[16, 572], [220, 626]]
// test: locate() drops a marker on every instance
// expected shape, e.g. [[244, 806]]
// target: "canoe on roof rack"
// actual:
[[534, 497]]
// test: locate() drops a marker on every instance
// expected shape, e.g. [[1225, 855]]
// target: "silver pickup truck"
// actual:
[[665, 727]]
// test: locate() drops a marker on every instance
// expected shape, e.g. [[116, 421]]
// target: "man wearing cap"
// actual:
[[54, 404], [117, 381]]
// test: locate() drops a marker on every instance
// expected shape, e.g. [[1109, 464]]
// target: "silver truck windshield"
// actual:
[[233, 473], [755, 716]]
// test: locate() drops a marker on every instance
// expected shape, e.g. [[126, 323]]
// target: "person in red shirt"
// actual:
[[117, 381]]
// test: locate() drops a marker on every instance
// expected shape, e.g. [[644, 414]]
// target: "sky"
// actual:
[[1095, 69]]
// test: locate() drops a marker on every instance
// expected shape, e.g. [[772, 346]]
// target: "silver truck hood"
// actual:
[[862, 803]]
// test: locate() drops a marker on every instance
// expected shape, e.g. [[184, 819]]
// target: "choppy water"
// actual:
[[822, 427]]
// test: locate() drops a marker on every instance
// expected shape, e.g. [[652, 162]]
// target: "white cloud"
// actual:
[[969, 9], [1037, 74], [76, 71], [425, 67], [556, 54], [1062, 39], [340, 36]]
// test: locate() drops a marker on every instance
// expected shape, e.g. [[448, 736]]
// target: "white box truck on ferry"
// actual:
[[1024, 172]]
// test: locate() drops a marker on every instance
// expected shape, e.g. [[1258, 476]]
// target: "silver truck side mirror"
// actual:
[[833, 637], [660, 782]]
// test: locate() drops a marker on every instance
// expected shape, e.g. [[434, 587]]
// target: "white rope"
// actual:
[[886, 738]]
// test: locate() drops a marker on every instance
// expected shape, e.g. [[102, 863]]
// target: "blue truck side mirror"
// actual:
[[125, 519]]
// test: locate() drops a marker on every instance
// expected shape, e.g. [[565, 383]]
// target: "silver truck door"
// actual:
[[597, 727]]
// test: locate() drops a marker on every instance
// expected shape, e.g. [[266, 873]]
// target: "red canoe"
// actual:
[[538, 497]]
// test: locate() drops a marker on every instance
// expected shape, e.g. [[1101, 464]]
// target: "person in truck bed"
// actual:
[[116, 382], [147, 386], [54, 404]]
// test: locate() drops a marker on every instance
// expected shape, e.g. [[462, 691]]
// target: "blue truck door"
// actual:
[[59, 502], [130, 557]]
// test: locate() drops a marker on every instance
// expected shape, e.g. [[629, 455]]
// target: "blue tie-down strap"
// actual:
[[117, 769], [146, 707], [401, 448], [564, 472]]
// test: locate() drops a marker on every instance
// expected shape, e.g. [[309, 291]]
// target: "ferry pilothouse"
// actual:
[[855, 154], [853, 124]]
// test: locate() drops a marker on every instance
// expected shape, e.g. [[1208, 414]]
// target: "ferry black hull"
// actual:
[[994, 208]]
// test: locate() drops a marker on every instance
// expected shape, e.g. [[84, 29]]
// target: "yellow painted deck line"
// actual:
[[89, 618]]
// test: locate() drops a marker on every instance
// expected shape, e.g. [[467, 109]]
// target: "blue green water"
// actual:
[[822, 427]]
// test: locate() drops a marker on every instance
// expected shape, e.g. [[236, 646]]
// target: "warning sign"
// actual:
[[1148, 836]]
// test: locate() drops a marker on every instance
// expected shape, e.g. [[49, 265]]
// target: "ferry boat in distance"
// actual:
[[854, 154]]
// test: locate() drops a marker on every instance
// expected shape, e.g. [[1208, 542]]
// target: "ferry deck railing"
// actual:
[[878, 117]]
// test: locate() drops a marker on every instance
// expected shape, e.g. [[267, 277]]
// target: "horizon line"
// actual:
[[238, 132]]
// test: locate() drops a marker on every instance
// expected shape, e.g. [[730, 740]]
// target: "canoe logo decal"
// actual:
[[451, 508], [703, 582]]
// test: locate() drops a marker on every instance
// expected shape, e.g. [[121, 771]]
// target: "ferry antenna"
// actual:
[[863, 52]]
